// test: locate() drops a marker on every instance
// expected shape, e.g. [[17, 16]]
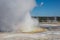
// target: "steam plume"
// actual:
[[15, 15]]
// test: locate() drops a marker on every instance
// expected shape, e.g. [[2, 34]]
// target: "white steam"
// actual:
[[15, 15]]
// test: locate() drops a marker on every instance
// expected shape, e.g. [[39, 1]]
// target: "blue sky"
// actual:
[[46, 8]]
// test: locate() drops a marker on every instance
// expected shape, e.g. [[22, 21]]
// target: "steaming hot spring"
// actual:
[[15, 16]]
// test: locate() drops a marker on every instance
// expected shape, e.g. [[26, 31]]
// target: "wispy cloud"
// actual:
[[41, 4]]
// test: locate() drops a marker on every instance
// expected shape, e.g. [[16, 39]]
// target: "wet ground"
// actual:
[[49, 35], [53, 33]]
